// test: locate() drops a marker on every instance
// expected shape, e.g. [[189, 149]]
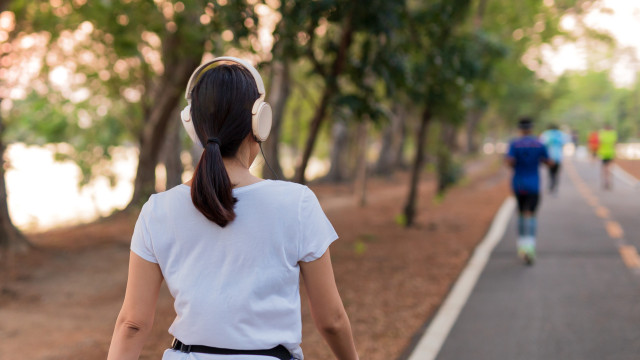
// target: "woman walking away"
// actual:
[[230, 246]]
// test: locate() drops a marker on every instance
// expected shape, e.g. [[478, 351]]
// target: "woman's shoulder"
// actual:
[[175, 193], [283, 189], [284, 192], [161, 202], [287, 185]]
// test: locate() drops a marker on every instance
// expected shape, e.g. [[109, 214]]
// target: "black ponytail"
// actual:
[[221, 105]]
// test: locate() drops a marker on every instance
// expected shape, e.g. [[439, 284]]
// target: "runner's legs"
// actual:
[[554, 170], [527, 225], [606, 173]]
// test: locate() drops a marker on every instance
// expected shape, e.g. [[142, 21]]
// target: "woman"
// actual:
[[231, 246]]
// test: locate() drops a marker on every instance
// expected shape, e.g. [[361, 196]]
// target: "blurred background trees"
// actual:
[[363, 87]]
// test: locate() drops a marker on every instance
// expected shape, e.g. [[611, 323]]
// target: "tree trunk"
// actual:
[[398, 151], [314, 128], [278, 96], [473, 119], [172, 149], [340, 142], [11, 239], [181, 53], [391, 147], [154, 130], [410, 207], [446, 175], [361, 167], [171, 88]]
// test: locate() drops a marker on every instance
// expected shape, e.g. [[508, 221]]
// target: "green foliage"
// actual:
[[450, 172], [359, 247], [452, 56], [315, 31], [368, 237], [401, 220], [513, 89], [122, 50], [585, 102]]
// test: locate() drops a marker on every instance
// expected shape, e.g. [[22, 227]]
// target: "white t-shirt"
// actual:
[[235, 287]]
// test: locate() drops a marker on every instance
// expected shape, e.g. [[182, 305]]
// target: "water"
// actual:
[[43, 193]]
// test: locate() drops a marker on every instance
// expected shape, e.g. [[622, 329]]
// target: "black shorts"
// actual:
[[606, 161], [527, 202]]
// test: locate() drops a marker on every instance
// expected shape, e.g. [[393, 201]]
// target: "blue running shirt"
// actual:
[[528, 153]]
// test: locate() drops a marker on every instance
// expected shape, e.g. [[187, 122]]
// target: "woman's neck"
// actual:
[[239, 174]]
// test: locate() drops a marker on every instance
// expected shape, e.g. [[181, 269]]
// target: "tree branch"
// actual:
[[312, 57]]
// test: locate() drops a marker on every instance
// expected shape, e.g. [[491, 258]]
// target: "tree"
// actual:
[[138, 68], [516, 86], [392, 144], [11, 239], [462, 63], [323, 34], [329, 72], [278, 95], [435, 64]]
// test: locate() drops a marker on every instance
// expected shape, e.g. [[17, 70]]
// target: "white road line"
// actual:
[[627, 178], [429, 345]]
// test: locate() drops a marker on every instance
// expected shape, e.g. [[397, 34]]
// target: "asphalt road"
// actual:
[[581, 300]]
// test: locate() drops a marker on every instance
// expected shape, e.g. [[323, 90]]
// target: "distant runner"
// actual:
[[607, 152], [524, 156], [554, 140], [593, 144]]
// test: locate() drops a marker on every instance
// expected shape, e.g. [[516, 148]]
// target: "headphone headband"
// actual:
[[195, 77], [260, 111]]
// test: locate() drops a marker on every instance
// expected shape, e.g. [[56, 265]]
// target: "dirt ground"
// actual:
[[630, 166], [61, 300]]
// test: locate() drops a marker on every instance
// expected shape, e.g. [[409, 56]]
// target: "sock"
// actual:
[[522, 226], [532, 228]]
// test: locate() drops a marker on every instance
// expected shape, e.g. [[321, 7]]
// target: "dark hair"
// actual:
[[525, 123], [221, 105]]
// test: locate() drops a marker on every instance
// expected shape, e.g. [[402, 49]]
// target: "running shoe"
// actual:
[[522, 247], [529, 253]]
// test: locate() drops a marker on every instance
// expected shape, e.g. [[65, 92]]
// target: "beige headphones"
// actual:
[[260, 112]]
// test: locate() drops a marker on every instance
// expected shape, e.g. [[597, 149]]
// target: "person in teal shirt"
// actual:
[[554, 140]]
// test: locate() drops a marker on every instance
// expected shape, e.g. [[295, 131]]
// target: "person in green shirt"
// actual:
[[607, 139]]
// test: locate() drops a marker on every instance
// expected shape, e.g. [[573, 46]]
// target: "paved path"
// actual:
[[582, 298]]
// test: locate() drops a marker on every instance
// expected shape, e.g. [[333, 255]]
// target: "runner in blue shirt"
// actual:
[[524, 156]]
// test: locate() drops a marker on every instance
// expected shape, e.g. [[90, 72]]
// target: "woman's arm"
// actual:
[[326, 307], [138, 310]]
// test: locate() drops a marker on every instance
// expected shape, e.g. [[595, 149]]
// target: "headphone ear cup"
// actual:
[[261, 122], [185, 116]]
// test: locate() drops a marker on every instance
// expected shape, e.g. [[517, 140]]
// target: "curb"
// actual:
[[623, 175], [431, 342]]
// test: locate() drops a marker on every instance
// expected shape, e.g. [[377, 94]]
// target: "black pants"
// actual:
[[554, 170], [527, 202]]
